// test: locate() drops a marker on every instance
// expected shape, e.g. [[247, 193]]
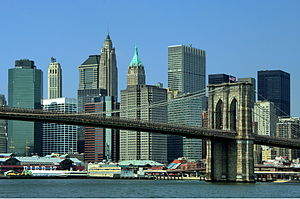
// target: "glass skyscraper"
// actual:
[[186, 76], [25, 90], [274, 86]]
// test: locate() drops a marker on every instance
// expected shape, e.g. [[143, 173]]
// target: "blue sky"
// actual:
[[240, 37]]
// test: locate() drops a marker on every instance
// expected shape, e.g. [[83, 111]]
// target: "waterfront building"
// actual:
[[37, 163], [274, 86], [101, 143], [137, 102], [54, 80], [25, 90], [186, 74], [288, 127], [102, 170], [3, 129], [108, 72], [59, 138], [220, 79]]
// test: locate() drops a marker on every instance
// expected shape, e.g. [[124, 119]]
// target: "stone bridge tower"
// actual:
[[230, 108]]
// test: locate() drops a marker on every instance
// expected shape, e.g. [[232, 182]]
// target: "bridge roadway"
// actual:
[[9, 113]]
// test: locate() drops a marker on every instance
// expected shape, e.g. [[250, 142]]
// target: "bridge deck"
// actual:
[[137, 125]]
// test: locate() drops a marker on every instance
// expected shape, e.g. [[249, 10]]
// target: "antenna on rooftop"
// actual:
[[108, 28]]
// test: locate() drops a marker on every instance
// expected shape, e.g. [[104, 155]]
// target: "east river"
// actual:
[[97, 188]]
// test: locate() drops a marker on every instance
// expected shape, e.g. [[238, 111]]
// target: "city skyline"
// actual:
[[236, 36]]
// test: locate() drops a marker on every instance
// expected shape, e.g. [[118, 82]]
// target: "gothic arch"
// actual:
[[219, 114], [233, 115]]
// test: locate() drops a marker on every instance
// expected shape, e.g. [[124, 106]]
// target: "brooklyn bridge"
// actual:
[[229, 134]]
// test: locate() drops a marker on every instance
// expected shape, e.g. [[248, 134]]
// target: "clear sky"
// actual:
[[240, 37]]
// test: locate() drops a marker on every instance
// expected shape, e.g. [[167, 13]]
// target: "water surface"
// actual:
[[63, 188]]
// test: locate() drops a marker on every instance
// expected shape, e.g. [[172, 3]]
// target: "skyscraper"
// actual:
[[59, 138], [265, 120], [25, 90], [220, 78], [288, 127], [88, 89], [101, 143], [54, 80], [89, 73], [186, 74], [136, 103], [108, 72], [274, 86], [3, 129], [186, 69], [136, 71]]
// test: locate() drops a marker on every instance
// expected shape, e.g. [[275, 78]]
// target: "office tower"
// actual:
[[184, 110], [88, 89], [265, 120], [136, 71], [186, 69], [101, 143], [54, 80], [87, 96], [25, 90], [108, 72], [274, 86], [89, 73], [186, 74], [288, 127], [137, 102], [3, 129], [253, 87], [59, 138], [220, 79]]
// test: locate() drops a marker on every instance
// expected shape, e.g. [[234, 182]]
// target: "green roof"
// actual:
[[135, 60], [139, 163]]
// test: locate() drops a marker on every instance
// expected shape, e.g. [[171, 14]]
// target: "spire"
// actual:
[[135, 60], [107, 37], [108, 42]]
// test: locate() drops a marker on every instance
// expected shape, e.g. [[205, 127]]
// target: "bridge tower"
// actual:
[[230, 108]]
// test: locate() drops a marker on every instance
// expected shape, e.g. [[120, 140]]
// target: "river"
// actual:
[[66, 188]]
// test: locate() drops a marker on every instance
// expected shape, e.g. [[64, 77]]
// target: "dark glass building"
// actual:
[[274, 86], [101, 143], [25, 90], [220, 78]]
